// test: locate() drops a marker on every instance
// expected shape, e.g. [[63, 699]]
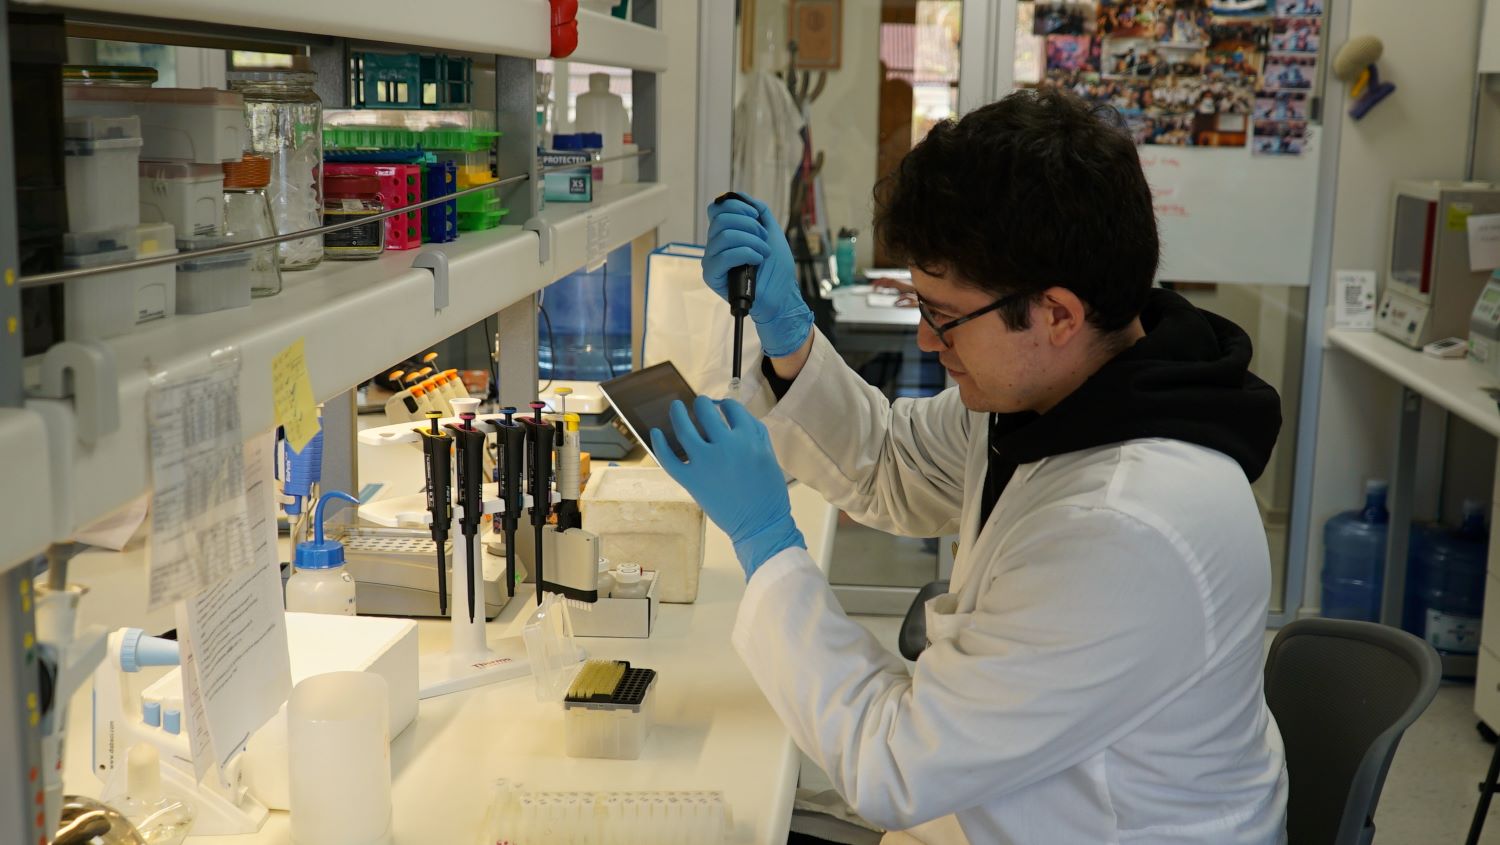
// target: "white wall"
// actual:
[[1419, 132], [677, 156]]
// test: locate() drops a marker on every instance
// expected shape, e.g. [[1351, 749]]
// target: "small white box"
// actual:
[[189, 196], [100, 155], [612, 617], [113, 304], [212, 282], [642, 516], [202, 125]]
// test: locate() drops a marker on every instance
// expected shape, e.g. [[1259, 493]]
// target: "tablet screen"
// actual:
[[644, 398]]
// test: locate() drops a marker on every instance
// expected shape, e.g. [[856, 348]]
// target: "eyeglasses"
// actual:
[[942, 330]]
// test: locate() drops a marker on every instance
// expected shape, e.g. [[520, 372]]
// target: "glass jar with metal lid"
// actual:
[[247, 217], [284, 117]]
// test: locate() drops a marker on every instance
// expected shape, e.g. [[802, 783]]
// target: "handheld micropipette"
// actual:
[[435, 446], [540, 483], [468, 443], [569, 454], [741, 297], [511, 459]]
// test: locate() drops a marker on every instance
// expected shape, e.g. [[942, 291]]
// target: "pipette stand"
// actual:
[[473, 659]]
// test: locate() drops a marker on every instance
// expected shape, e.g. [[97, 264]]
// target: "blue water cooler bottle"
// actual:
[[1354, 558], [1445, 588]]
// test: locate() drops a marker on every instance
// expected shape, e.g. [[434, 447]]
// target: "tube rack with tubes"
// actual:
[[686, 817]]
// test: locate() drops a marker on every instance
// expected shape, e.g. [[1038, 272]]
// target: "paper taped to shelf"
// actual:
[[199, 529], [1484, 242]]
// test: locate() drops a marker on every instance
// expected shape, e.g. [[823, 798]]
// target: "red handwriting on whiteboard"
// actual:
[[1170, 162], [1158, 193], [1170, 210]]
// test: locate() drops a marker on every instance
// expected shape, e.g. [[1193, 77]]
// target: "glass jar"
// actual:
[[247, 217], [349, 197], [285, 120]]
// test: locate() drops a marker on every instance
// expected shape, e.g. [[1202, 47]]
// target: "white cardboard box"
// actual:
[[631, 618]]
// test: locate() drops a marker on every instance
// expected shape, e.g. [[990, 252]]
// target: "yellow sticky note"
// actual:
[[291, 388], [1458, 215]]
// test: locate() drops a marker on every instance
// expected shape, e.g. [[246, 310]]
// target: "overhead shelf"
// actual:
[[607, 40], [508, 27], [356, 318], [1453, 383], [583, 235]]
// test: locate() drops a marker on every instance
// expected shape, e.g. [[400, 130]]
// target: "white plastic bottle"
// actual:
[[606, 579], [628, 582], [600, 111], [321, 583]]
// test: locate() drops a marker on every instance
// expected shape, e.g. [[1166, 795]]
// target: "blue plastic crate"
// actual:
[[386, 81], [440, 222]]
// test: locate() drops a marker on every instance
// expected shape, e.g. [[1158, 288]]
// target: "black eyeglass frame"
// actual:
[[942, 331]]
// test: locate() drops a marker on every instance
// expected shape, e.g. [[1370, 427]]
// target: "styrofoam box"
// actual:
[[201, 125], [112, 304], [619, 617], [99, 163], [644, 517], [189, 196]]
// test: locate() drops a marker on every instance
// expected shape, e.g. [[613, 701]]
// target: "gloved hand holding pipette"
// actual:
[[742, 232]]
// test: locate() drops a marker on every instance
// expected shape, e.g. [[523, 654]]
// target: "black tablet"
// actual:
[[644, 398]]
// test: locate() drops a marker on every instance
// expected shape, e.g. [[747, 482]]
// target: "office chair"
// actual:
[[1343, 693]]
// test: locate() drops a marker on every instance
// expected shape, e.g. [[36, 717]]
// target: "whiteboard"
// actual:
[[1223, 214], [1227, 216]]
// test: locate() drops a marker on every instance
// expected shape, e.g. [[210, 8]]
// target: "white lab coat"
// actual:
[[1094, 675]]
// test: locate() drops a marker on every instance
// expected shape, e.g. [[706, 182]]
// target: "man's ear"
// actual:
[[1063, 315]]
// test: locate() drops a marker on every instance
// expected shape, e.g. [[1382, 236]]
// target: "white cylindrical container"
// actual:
[[606, 578], [315, 590], [628, 582], [630, 168], [338, 731], [598, 110]]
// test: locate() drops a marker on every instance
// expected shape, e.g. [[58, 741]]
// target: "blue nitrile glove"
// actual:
[[742, 233], [733, 474]]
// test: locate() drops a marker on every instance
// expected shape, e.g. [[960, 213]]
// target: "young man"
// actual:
[[1094, 674]]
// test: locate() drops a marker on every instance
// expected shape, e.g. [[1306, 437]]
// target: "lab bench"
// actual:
[[714, 730], [1458, 387]]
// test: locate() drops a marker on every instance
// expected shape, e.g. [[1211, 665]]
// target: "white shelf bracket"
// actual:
[[543, 231], [435, 261], [84, 371]]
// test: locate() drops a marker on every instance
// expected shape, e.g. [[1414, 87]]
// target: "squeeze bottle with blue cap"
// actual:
[[321, 582]]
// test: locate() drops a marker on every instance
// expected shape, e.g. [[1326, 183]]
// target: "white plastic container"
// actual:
[[321, 591], [202, 125], [628, 582], [100, 155], [211, 282], [630, 168], [113, 304], [614, 729], [600, 111], [338, 735], [189, 196], [642, 516]]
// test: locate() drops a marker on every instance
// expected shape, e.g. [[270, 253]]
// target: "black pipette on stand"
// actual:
[[511, 457], [469, 449], [435, 447], [540, 482], [741, 297]]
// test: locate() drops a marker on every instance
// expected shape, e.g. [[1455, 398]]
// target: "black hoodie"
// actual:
[[1188, 379]]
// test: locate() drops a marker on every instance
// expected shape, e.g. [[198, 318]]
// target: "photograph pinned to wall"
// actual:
[[1072, 53], [1299, 8], [1182, 23], [1075, 17], [1286, 70], [1237, 49], [1295, 35], [1239, 8], [817, 26], [1281, 105], [1131, 57], [1280, 138]]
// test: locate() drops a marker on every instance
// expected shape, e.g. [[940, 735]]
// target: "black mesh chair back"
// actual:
[[1343, 693]]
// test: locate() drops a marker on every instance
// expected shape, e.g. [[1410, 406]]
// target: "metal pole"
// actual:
[[12, 392]]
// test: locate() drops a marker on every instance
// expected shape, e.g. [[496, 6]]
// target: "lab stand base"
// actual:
[[441, 674]]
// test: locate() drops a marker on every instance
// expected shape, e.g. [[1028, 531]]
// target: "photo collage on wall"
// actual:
[[1200, 73]]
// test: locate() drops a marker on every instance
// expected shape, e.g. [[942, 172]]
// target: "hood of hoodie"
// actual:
[[1188, 379]]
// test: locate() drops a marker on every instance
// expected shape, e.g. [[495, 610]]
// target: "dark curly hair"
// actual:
[[1037, 190]]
